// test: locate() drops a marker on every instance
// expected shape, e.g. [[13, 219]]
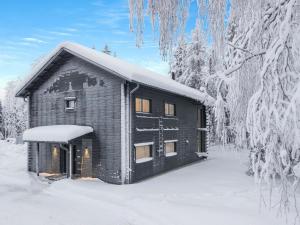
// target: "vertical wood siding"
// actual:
[[98, 96], [182, 127]]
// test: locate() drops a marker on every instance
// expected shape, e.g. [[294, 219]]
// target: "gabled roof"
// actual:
[[121, 68]]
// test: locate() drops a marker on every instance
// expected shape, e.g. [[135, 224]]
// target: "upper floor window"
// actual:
[[142, 105], [170, 109], [70, 103]]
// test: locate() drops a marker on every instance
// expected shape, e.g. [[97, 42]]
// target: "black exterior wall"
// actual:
[[182, 127], [98, 99]]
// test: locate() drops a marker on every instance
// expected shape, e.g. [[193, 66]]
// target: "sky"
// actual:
[[30, 29]]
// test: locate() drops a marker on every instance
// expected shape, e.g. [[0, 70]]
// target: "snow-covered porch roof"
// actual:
[[56, 133]]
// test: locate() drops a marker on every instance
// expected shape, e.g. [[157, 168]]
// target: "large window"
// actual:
[[143, 152], [170, 109], [170, 148], [142, 105]]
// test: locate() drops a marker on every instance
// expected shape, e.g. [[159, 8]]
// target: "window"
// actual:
[[201, 131], [142, 105], [201, 117], [170, 109], [143, 152], [70, 103], [170, 148]]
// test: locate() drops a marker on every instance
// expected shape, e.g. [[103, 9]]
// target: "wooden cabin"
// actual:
[[94, 115]]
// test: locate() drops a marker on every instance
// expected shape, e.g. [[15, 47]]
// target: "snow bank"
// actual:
[[55, 133], [210, 192], [121, 68]]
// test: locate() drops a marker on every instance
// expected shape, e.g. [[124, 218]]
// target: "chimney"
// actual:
[[173, 76]]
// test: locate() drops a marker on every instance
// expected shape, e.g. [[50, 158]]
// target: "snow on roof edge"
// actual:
[[119, 67], [55, 133]]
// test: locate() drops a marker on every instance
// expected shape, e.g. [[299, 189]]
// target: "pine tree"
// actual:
[[195, 69], [177, 65], [106, 50]]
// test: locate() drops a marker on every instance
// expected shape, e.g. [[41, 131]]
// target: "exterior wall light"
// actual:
[[54, 152], [86, 153]]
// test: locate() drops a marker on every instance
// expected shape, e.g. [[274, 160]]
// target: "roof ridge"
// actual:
[[122, 68]]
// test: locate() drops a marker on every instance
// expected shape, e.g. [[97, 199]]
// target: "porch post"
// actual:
[[70, 161], [37, 164]]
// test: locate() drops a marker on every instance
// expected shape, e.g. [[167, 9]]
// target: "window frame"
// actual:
[[67, 101], [174, 152], [141, 105], [144, 159], [168, 104]]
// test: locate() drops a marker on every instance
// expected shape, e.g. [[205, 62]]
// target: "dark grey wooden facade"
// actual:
[[183, 127], [99, 100], [98, 96]]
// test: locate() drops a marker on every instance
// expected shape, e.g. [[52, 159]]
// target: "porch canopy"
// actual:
[[56, 133]]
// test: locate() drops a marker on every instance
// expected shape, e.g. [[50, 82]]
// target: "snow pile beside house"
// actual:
[[56, 133]]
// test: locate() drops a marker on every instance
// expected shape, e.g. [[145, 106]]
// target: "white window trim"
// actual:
[[202, 129], [143, 144], [144, 160], [70, 98], [169, 154], [170, 141]]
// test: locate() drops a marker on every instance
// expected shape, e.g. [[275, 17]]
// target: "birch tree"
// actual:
[[1, 121], [256, 71]]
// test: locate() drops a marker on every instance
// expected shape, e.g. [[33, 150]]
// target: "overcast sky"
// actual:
[[31, 28]]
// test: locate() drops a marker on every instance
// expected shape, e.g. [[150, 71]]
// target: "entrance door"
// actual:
[[63, 161], [74, 160]]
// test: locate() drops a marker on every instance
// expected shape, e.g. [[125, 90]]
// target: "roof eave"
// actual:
[[22, 91], [96, 64]]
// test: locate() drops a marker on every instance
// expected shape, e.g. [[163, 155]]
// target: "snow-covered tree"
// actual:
[[1, 121], [257, 74], [191, 65], [14, 112], [177, 64], [195, 69]]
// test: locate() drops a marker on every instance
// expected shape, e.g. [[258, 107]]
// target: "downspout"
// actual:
[[29, 145], [130, 129]]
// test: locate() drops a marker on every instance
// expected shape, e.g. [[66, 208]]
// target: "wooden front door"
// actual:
[[63, 161]]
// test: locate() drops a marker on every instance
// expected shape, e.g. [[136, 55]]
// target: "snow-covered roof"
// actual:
[[130, 72], [56, 133]]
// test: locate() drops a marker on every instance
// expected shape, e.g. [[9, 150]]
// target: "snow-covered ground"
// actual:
[[213, 192]]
